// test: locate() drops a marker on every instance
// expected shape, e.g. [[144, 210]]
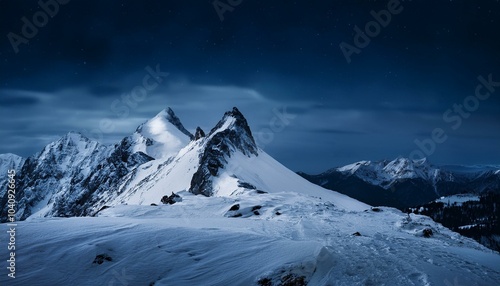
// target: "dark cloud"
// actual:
[[337, 132], [14, 100], [105, 90], [264, 55]]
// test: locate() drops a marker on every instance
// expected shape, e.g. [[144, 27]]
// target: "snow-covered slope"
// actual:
[[276, 238], [151, 181]]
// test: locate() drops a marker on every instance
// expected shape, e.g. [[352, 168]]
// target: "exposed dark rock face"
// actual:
[[199, 133], [172, 118], [231, 134], [246, 185]]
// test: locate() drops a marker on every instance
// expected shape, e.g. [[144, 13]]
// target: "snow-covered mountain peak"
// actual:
[[170, 116], [71, 144], [10, 160], [75, 136], [352, 168], [231, 120], [407, 168], [231, 135], [422, 161], [233, 128], [385, 173], [161, 136]]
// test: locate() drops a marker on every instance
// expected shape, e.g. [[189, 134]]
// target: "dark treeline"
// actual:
[[475, 219]]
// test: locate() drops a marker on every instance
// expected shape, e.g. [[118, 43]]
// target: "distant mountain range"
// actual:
[[404, 183]]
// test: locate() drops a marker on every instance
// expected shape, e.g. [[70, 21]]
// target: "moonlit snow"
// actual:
[[261, 225]]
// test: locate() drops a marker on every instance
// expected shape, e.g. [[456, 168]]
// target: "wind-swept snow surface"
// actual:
[[200, 241]]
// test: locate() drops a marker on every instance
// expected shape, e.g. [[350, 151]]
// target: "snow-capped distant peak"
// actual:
[[71, 143], [10, 157], [161, 136], [352, 168], [10, 161], [407, 168], [75, 136], [384, 173], [421, 161]]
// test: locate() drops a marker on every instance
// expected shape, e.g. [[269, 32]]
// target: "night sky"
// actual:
[[416, 76]]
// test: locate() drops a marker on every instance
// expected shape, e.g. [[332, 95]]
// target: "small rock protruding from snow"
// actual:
[[172, 199], [427, 232], [235, 207], [100, 258]]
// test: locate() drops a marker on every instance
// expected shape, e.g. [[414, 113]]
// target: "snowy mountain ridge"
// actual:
[[75, 176], [385, 173], [240, 218], [404, 183]]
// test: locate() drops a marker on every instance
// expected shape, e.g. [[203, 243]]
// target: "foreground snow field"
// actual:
[[199, 241]]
